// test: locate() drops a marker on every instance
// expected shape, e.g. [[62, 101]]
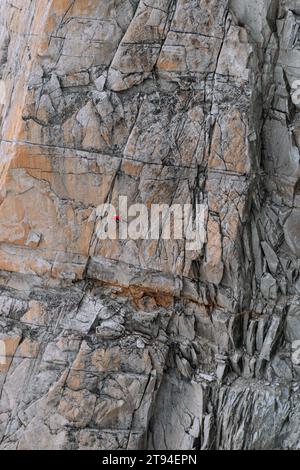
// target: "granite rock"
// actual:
[[146, 344]]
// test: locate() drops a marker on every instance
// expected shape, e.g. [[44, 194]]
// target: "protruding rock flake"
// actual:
[[150, 224]]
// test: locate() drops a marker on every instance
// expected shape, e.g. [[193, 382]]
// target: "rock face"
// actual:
[[143, 344]]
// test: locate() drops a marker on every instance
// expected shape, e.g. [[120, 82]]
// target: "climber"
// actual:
[[117, 218]]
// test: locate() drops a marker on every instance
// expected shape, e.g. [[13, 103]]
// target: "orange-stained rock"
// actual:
[[149, 343]]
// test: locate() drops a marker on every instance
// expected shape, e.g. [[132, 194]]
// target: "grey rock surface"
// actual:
[[143, 344]]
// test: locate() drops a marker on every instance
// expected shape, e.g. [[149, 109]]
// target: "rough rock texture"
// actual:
[[139, 344]]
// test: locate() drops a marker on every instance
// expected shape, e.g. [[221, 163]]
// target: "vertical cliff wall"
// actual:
[[130, 344]]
